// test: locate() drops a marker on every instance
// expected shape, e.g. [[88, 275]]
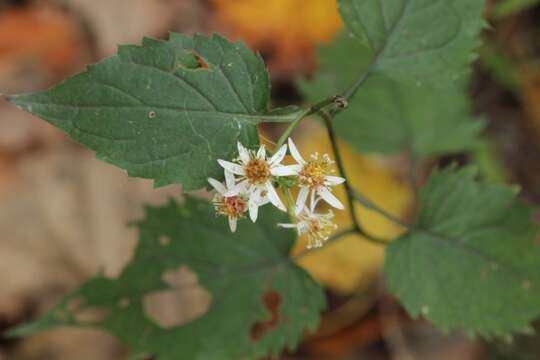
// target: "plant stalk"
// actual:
[[311, 110], [348, 189]]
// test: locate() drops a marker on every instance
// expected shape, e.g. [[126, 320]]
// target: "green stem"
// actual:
[[368, 204], [291, 128], [311, 110], [349, 94], [348, 189], [290, 203]]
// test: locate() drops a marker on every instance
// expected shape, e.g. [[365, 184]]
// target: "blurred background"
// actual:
[[63, 213]]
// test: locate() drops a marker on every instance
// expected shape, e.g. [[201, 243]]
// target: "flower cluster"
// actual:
[[250, 182]]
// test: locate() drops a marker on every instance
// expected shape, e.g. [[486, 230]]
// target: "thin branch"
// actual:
[[311, 110], [349, 94], [370, 205], [348, 189]]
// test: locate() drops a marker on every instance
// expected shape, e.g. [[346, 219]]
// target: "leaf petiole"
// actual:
[[310, 110]]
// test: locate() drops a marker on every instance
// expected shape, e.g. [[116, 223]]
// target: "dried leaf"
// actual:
[[287, 28]]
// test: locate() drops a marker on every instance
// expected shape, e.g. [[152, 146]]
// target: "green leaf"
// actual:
[[424, 40], [260, 300], [505, 8], [166, 110], [387, 116], [471, 262]]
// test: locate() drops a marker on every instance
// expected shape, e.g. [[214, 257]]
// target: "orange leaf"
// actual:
[[39, 35], [288, 28]]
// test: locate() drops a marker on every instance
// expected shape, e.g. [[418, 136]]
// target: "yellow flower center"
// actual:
[[314, 172], [232, 206], [257, 171], [320, 230]]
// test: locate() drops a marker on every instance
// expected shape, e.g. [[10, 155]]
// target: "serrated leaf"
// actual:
[[166, 110], [238, 270], [424, 40], [387, 116], [471, 262]]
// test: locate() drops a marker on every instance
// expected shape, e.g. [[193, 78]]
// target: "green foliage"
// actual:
[[260, 300], [509, 7], [424, 40], [471, 262], [166, 110], [387, 116]]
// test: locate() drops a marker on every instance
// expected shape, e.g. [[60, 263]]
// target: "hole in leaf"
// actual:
[[271, 301], [184, 302], [201, 63]]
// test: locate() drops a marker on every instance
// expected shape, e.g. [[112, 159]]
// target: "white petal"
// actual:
[[232, 223], [255, 196], [218, 186], [330, 198], [301, 200], [232, 167], [237, 189], [333, 180], [273, 196], [295, 153], [253, 211], [287, 226], [313, 200], [264, 200], [261, 153], [278, 156], [243, 153], [229, 179], [285, 170]]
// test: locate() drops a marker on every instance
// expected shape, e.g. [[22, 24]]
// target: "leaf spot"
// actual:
[[271, 301], [526, 284], [151, 114], [182, 303], [123, 303], [164, 240], [483, 273], [425, 310]]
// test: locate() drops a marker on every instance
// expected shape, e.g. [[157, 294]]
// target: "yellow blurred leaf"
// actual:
[[351, 263], [288, 28]]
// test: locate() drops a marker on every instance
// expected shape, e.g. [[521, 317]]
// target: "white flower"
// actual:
[[314, 176], [317, 227], [256, 174], [234, 206]]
